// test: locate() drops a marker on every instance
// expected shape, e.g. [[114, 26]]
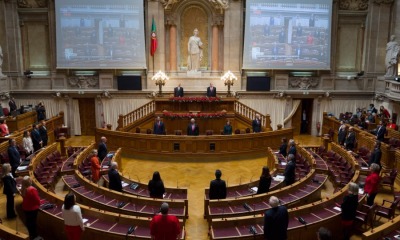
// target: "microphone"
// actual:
[[247, 207], [253, 230]]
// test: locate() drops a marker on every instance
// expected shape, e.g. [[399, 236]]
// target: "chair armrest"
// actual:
[[384, 200]]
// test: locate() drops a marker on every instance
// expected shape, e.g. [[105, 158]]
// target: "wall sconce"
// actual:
[[106, 94], [229, 78], [160, 79], [280, 95]]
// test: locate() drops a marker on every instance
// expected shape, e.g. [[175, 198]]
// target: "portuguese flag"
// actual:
[[153, 46]]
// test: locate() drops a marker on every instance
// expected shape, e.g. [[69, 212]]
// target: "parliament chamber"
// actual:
[[186, 87]]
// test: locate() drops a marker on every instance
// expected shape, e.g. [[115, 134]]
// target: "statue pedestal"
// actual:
[[193, 73]]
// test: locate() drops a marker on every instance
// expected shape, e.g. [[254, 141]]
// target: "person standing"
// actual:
[[159, 127], [156, 186], [72, 218], [342, 133], [304, 122], [41, 112], [376, 155], [195, 51], [193, 128], [290, 170], [178, 91], [36, 139], [349, 209], [283, 147], [350, 139], [12, 105], [256, 124], [30, 205], [95, 166], [27, 142], [292, 147], [114, 178], [9, 189], [381, 131], [372, 183], [276, 221], [43, 133], [265, 181], [102, 148], [217, 187], [211, 91], [227, 128], [164, 226], [13, 155]]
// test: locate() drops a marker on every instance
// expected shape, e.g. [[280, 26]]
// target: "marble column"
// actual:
[[215, 49], [172, 48]]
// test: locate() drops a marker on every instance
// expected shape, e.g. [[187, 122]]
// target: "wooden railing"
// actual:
[[250, 113], [130, 118]]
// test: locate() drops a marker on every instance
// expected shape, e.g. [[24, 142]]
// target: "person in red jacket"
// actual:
[[164, 226], [95, 166], [372, 183], [30, 205]]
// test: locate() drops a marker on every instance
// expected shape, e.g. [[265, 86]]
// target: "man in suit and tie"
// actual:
[[13, 106], [159, 127], [290, 170], [257, 124], [211, 91], [114, 178], [376, 154], [178, 91], [350, 139], [217, 187], [36, 139], [193, 128], [43, 133], [13, 156], [380, 132], [102, 149]]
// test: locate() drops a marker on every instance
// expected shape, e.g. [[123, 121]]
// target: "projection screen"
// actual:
[[100, 34], [287, 34]]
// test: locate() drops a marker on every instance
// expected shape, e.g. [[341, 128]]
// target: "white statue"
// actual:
[[220, 4], [195, 51], [1, 64], [392, 54], [168, 3]]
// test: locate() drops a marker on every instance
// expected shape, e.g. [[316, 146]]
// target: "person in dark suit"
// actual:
[[376, 155], [41, 112], [12, 105], [380, 132], [43, 133], [349, 209], [276, 221], [159, 127], [283, 147], [256, 124], [350, 139], [342, 133], [228, 128], [290, 170], [156, 186], [13, 156], [36, 139], [114, 178], [102, 149], [217, 187], [9, 189], [211, 91], [193, 128], [178, 91], [265, 181], [292, 147]]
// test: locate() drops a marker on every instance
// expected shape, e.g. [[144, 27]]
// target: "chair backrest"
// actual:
[[148, 131], [178, 132], [209, 132], [393, 175], [393, 206], [237, 131], [137, 130]]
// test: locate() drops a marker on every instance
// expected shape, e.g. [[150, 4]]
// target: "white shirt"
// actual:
[[28, 145], [73, 216]]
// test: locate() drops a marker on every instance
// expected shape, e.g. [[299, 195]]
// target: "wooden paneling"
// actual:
[[88, 116], [21, 121]]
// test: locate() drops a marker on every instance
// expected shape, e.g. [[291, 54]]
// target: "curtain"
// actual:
[[296, 104], [53, 106], [274, 107], [76, 118]]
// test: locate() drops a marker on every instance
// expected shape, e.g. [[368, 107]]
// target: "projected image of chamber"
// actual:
[[287, 34], [100, 34]]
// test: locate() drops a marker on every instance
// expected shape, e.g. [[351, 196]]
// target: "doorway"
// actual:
[[87, 114], [301, 121]]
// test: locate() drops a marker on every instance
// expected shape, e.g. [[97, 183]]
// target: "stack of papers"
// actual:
[[360, 191], [279, 178], [254, 189], [337, 209], [283, 163], [22, 168], [124, 184]]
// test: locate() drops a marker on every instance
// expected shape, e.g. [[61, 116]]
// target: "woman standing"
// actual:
[[372, 183], [349, 208], [72, 218], [265, 181], [27, 142], [156, 186], [10, 189], [95, 166], [30, 205]]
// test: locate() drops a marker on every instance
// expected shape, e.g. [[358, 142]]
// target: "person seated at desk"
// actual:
[[102, 148], [3, 128], [159, 127], [156, 186], [193, 128], [228, 128], [114, 178], [178, 91], [257, 124], [211, 91], [217, 187]]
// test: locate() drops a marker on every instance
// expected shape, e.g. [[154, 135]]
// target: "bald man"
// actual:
[[102, 148]]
